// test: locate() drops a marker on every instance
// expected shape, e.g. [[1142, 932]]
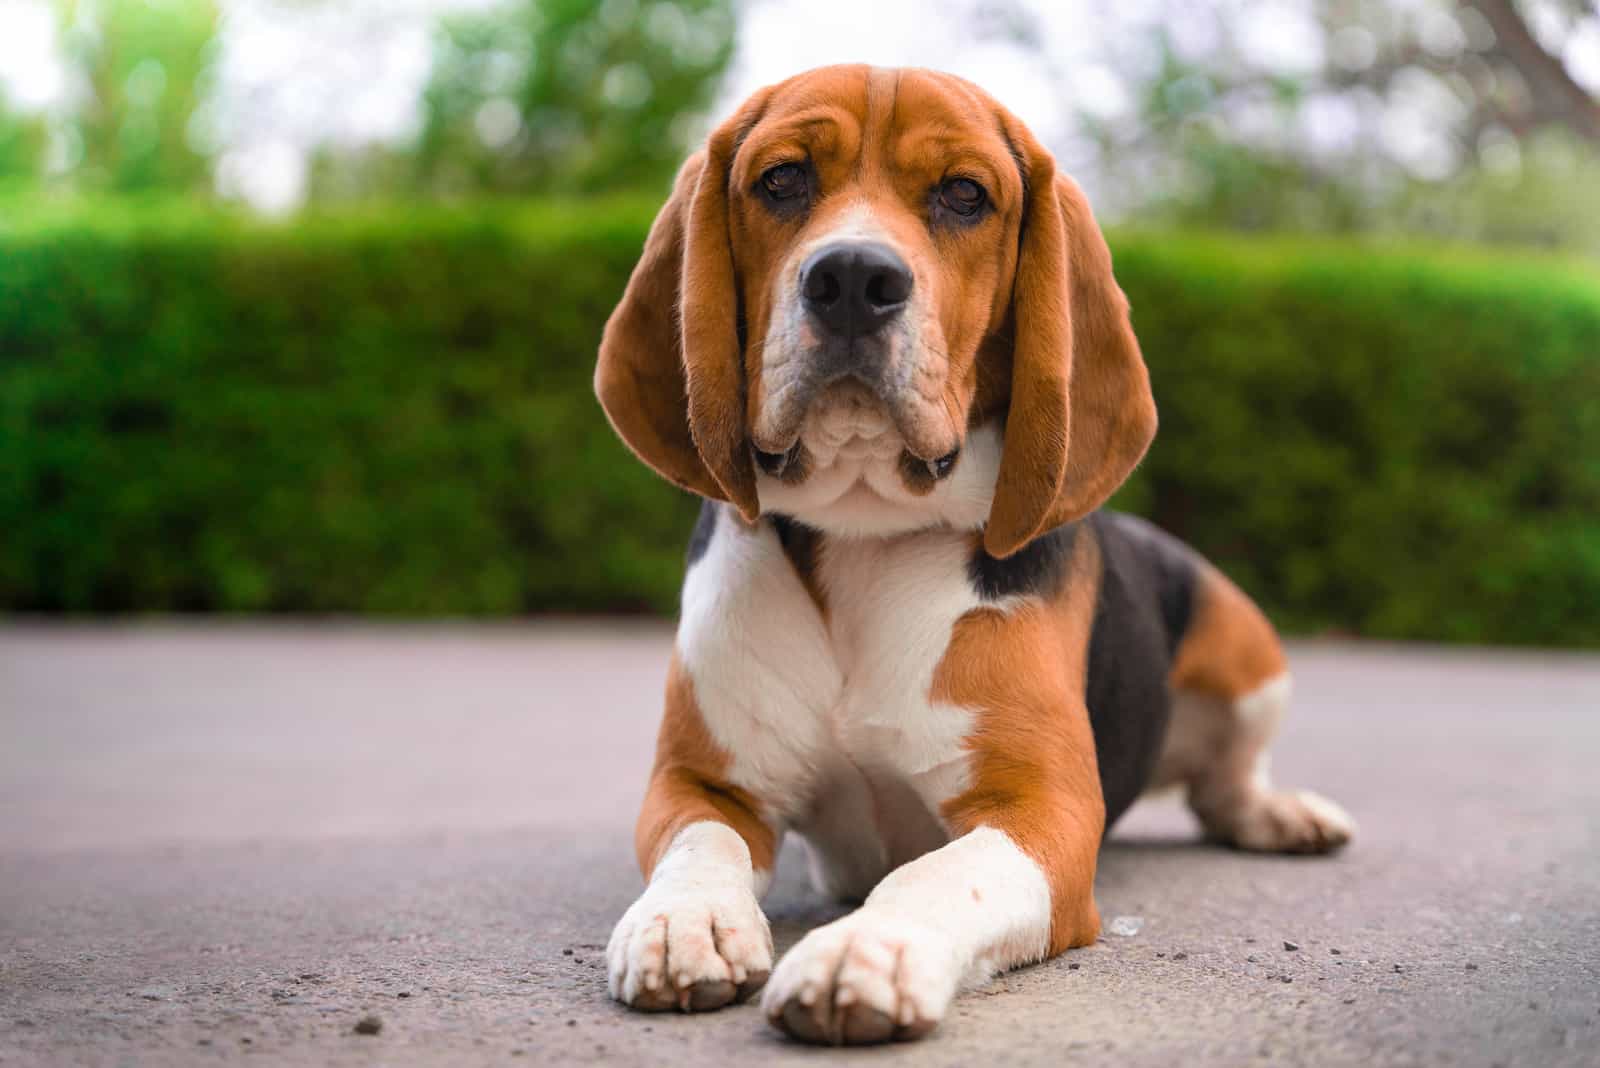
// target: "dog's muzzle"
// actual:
[[857, 323]]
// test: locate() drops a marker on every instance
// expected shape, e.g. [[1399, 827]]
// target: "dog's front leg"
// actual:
[[1016, 884], [696, 939], [889, 969]]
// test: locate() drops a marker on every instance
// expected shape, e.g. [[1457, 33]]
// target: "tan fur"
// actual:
[[1034, 773], [640, 378], [670, 375], [1229, 649], [1081, 414], [689, 784]]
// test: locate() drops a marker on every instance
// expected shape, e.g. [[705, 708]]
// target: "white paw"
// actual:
[[1292, 822], [869, 977], [694, 949]]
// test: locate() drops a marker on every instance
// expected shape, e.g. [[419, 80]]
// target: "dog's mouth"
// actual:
[[846, 414], [848, 421]]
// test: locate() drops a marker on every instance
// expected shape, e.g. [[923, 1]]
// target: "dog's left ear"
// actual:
[[1081, 414], [670, 374]]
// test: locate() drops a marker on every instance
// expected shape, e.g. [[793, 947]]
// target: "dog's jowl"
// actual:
[[878, 331]]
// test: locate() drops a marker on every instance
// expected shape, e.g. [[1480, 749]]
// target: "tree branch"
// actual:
[[1556, 96]]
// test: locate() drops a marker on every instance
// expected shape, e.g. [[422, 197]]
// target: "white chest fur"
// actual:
[[827, 716]]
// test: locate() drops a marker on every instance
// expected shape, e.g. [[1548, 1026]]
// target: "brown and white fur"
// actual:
[[907, 634]]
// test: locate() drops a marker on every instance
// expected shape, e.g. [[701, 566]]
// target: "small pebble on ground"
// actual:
[[368, 1025]]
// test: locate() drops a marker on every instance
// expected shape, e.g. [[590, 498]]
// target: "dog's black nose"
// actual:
[[853, 288]]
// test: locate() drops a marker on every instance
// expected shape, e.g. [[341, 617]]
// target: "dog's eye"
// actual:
[[962, 196], [786, 181]]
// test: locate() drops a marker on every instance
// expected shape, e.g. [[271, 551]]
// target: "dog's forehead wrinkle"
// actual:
[[883, 86]]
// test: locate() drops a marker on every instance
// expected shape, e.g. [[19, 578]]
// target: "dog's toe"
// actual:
[[707, 994], [861, 1025], [1292, 822]]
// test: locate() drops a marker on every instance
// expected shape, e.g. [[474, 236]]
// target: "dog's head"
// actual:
[[864, 284]]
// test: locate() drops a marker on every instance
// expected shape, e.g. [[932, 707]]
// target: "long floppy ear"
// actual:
[[1081, 414], [670, 375]]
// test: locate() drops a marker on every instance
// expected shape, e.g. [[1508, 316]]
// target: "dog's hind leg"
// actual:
[[1230, 687]]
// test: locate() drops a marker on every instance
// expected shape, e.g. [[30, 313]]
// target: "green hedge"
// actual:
[[1394, 444], [391, 413], [379, 414]]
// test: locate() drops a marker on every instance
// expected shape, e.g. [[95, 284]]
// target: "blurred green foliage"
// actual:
[[554, 96], [147, 68], [1399, 444], [23, 140], [361, 415], [140, 76], [370, 413]]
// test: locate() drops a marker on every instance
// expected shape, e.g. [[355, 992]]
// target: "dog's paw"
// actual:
[[869, 977], [695, 949], [1291, 822]]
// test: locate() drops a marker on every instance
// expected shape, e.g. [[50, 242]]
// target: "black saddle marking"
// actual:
[[1038, 568]]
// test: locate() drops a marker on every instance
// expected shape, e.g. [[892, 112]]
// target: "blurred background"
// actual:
[[299, 299]]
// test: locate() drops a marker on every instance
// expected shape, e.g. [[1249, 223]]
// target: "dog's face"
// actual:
[[876, 254], [873, 252], [867, 281]]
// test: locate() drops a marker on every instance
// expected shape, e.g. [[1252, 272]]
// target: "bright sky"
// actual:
[[298, 72]]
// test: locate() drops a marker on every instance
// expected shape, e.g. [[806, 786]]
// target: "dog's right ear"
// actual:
[[671, 371], [1081, 414]]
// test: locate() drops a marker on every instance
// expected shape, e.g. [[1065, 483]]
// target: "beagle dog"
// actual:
[[876, 328]]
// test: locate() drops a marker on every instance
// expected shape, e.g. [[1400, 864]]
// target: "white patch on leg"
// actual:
[[1196, 730], [1211, 739], [889, 970], [1261, 711], [1218, 748], [696, 939]]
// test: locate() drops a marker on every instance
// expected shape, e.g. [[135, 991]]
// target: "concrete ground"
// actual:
[[233, 843]]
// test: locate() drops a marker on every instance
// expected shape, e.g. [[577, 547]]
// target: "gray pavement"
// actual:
[[235, 842]]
